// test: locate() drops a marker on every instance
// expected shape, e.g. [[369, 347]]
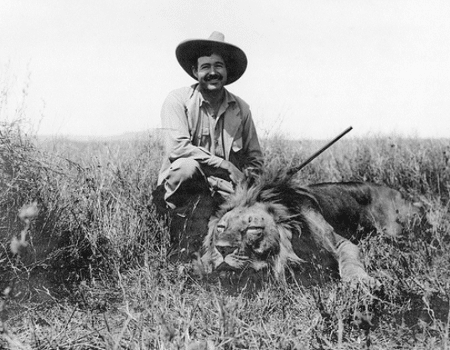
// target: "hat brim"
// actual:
[[189, 51]]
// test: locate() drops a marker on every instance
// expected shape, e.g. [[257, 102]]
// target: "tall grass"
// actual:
[[90, 208], [417, 166], [95, 272]]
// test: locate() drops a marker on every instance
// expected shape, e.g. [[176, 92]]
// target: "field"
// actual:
[[85, 263]]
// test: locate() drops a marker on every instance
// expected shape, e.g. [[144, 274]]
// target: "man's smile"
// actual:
[[213, 78]]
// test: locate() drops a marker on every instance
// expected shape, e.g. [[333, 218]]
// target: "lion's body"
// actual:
[[355, 208], [276, 223]]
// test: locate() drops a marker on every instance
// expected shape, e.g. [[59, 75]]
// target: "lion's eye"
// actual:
[[220, 228], [255, 228]]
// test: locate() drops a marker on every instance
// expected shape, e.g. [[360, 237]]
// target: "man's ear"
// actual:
[[194, 71]]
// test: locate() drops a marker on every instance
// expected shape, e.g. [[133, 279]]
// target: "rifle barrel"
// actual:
[[296, 169]]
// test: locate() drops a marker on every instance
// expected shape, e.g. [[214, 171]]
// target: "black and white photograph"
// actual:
[[223, 174]]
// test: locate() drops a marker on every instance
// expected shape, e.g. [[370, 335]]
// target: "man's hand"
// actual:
[[222, 186], [235, 174]]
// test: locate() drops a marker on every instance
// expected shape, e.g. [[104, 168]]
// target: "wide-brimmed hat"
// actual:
[[190, 50]]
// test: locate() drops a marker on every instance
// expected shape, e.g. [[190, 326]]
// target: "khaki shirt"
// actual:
[[192, 132]]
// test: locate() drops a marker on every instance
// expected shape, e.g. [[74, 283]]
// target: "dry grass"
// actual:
[[95, 273]]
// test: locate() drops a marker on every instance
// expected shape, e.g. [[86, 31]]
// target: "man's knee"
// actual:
[[184, 180], [183, 169]]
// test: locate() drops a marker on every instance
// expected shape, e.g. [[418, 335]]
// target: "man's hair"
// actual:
[[208, 52]]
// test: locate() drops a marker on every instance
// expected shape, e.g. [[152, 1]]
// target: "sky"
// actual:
[[99, 68]]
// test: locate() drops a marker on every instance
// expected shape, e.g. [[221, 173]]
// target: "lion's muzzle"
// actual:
[[225, 250]]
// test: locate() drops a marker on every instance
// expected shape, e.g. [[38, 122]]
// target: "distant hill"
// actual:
[[128, 136]]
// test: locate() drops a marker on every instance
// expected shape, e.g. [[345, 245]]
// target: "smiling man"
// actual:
[[210, 138]]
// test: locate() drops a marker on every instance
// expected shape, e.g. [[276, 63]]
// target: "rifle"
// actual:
[[293, 171]]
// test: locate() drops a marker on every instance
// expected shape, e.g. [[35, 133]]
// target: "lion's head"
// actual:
[[252, 230]]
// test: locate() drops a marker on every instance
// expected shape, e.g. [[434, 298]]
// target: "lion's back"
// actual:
[[356, 208]]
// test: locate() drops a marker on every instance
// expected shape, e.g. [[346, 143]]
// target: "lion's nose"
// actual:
[[225, 250]]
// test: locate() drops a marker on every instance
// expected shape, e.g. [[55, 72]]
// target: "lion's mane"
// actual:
[[284, 200]]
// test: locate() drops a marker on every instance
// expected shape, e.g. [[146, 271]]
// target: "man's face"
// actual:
[[211, 73]]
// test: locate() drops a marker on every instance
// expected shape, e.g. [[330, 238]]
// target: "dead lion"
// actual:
[[276, 223]]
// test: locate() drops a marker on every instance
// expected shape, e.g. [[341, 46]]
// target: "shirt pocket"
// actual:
[[237, 145]]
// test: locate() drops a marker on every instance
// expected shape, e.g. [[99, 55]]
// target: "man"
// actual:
[[210, 139]]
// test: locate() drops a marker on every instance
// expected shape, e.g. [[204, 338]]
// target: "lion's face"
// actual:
[[249, 237]]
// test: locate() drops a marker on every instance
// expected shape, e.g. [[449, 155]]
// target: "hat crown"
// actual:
[[217, 36]]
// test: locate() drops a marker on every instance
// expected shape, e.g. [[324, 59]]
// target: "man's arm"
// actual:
[[177, 136], [251, 146], [253, 159]]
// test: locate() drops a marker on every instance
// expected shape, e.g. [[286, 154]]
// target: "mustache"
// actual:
[[212, 76]]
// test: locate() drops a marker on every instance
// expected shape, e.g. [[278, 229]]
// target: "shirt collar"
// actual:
[[228, 98]]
